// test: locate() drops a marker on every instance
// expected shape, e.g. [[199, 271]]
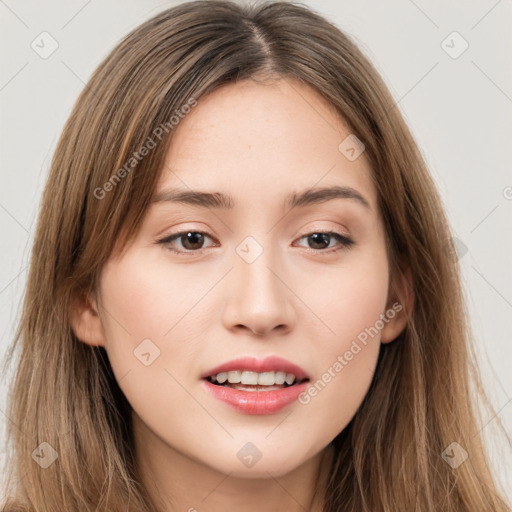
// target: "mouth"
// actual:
[[256, 386], [246, 380]]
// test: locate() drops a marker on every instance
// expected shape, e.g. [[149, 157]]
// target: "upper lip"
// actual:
[[268, 364]]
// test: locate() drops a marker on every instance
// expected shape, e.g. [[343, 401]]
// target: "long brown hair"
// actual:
[[389, 457]]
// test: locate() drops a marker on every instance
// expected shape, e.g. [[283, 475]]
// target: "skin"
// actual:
[[206, 308]]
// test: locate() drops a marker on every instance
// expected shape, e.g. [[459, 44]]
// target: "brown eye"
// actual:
[[320, 241], [190, 241], [186, 242]]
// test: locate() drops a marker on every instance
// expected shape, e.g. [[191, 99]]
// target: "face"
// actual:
[[205, 284]]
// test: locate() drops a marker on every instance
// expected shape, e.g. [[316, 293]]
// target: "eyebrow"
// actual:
[[219, 200]]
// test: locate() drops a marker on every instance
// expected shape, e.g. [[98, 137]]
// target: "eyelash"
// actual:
[[344, 242]]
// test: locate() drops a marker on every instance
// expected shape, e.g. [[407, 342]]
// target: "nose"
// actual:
[[259, 299]]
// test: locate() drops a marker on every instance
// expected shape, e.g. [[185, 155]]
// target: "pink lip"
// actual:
[[256, 402]]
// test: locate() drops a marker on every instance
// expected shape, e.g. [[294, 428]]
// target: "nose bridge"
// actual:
[[258, 298]]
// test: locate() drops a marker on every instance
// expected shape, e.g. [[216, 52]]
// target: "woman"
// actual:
[[242, 293]]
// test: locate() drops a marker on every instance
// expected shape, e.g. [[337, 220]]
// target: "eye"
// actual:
[[321, 241], [193, 241]]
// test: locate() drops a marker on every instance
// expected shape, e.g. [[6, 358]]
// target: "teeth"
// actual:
[[234, 377], [222, 377], [280, 377], [266, 378], [249, 378]]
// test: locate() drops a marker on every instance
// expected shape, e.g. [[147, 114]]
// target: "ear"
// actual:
[[85, 321], [399, 307]]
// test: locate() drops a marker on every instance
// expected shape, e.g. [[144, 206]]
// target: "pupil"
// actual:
[[323, 237], [190, 238]]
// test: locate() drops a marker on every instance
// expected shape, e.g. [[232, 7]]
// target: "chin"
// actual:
[[261, 465]]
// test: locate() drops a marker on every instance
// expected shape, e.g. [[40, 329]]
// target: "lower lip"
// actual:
[[257, 402]]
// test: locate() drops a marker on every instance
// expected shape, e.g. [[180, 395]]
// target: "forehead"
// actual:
[[256, 140]]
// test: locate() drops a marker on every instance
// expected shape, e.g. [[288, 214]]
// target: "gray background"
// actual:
[[459, 110]]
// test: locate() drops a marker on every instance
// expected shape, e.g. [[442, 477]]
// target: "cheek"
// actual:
[[141, 304], [146, 298], [349, 299], [151, 307], [350, 309], [345, 366]]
